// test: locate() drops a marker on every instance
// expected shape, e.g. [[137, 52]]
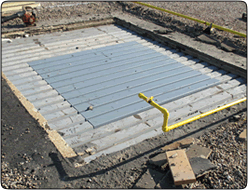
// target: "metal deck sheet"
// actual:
[[142, 65], [110, 78]]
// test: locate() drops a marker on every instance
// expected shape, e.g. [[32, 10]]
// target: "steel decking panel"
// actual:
[[110, 78]]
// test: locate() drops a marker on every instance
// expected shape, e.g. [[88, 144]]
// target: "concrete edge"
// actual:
[[133, 25], [148, 32], [65, 150], [56, 28]]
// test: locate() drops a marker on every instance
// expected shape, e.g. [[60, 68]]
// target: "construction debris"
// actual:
[[180, 167], [184, 143], [185, 165], [207, 39], [201, 166], [167, 182], [198, 151], [149, 179], [159, 160], [209, 29]]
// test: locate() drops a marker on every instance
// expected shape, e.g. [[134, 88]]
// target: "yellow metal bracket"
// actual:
[[165, 112]]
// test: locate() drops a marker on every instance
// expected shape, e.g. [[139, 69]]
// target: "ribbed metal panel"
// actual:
[[70, 68], [109, 79]]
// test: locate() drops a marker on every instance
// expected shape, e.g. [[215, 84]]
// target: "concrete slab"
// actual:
[[201, 166], [159, 160], [198, 151]]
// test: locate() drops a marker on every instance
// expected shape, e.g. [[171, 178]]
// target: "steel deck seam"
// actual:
[[178, 107], [34, 73], [157, 115], [160, 118], [52, 89]]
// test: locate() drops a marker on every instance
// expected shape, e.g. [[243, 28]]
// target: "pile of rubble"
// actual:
[[179, 163], [187, 163]]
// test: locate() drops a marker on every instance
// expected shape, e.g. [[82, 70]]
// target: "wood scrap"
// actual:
[[180, 167], [184, 143]]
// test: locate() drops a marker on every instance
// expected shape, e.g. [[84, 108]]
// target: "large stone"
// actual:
[[198, 151], [149, 179], [201, 166]]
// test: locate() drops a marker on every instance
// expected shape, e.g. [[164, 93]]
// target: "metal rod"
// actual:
[[194, 19], [160, 108], [167, 128]]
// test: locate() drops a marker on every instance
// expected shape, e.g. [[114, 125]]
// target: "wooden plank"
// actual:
[[184, 143], [180, 167]]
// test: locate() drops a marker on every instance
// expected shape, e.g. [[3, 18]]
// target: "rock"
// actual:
[[198, 151], [149, 179], [236, 117], [201, 166], [159, 160], [242, 135]]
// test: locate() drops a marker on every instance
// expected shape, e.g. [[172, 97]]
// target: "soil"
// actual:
[[30, 160]]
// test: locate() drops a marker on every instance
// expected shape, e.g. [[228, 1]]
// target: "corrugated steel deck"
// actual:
[[61, 74], [109, 79]]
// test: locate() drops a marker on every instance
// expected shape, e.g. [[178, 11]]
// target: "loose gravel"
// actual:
[[229, 154]]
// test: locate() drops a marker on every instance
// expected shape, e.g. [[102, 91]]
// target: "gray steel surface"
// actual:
[[74, 64], [110, 78]]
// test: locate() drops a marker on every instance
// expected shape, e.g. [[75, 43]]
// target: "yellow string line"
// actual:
[[194, 19]]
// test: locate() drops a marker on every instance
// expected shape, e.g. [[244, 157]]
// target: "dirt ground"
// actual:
[[30, 160]]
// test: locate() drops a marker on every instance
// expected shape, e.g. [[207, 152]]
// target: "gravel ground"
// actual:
[[226, 14], [229, 154], [40, 165]]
